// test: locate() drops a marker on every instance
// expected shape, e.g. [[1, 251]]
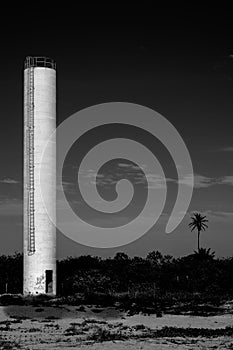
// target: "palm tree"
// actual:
[[198, 222], [205, 254]]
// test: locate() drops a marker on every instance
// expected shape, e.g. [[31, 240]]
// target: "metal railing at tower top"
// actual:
[[45, 62]]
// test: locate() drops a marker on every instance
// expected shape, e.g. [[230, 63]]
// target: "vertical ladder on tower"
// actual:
[[30, 162]]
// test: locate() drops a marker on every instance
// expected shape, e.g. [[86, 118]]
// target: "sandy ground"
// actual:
[[67, 327]]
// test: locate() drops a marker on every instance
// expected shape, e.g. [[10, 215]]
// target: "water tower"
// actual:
[[39, 123]]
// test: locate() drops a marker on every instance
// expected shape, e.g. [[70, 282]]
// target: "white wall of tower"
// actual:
[[44, 257]]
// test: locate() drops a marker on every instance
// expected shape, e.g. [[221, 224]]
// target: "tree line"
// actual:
[[195, 273], [199, 272]]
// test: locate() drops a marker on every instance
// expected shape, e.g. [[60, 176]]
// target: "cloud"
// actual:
[[123, 171], [222, 216], [226, 180], [9, 181], [124, 165], [156, 181], [131, 166], [225, 214], [11, 206], [212, 215], [92, 175], [69, 187], [200, 181], [227, 149], [153, 181]]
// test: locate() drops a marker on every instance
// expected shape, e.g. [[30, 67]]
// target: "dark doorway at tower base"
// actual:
[[49, 281]]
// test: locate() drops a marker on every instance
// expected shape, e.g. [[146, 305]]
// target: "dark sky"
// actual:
[[177, 61]]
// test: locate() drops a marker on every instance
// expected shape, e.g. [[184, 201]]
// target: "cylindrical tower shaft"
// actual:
[[39, 124]]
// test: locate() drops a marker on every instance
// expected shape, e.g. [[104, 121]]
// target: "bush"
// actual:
[[11, 299], [102, 334]]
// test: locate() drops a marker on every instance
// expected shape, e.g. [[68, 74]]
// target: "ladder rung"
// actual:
[[30, 148]]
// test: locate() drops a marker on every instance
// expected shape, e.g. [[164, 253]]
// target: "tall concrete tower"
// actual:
[[39, 123]]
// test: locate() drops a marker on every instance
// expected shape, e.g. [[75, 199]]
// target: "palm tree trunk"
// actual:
[[198, 241]]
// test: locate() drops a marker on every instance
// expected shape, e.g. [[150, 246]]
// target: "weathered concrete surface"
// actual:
[[44, 257]]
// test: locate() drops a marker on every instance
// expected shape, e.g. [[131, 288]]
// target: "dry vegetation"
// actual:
[[159, 302]]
